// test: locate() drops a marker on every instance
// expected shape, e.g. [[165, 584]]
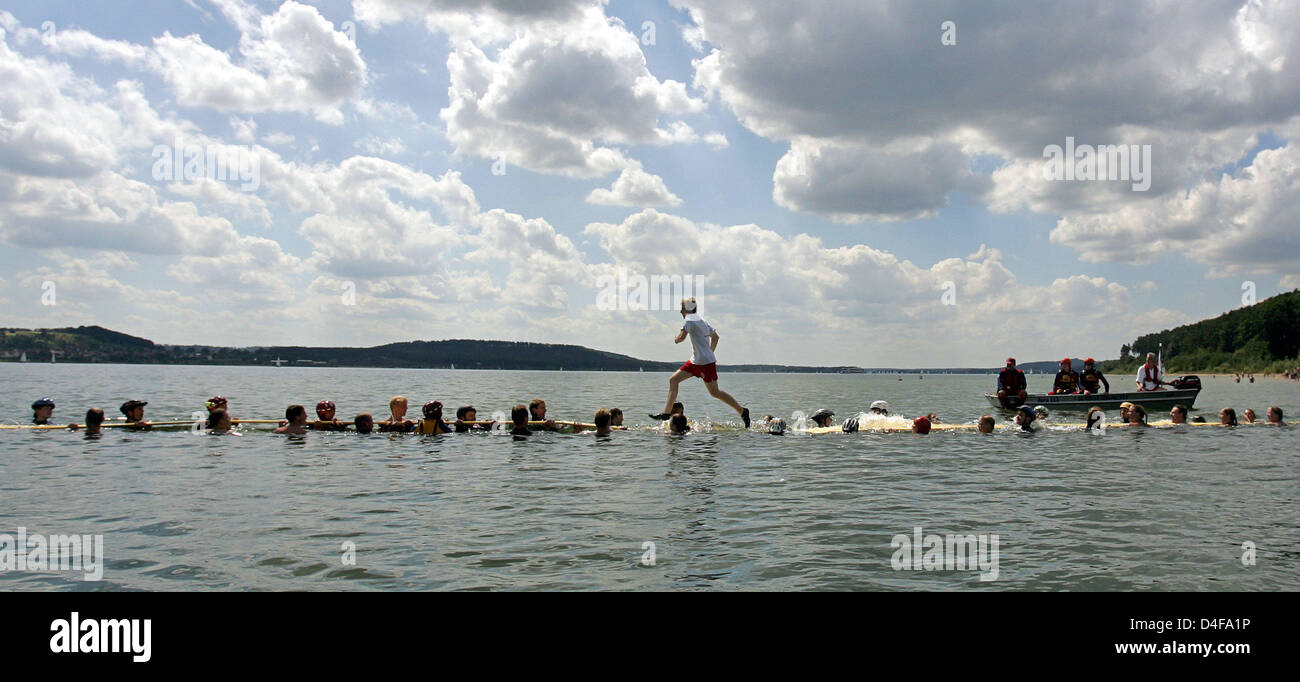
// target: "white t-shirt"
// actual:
[[1148, 383], [699, 332]]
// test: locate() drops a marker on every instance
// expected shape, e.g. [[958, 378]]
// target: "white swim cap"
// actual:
[[880, 405]]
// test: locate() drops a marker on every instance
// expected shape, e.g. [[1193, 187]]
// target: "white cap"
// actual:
[[880, 404], [688, 305]]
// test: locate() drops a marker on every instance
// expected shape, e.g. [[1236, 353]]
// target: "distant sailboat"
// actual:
[[453, 365], [23, 358], [51, 357]]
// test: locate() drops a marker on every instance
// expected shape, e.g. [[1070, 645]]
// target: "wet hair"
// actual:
[[680, 423], [679, 408], [533, 405], [1231, 414], [1198, 419], [1141, 413], [464, 410], [364, 422], [519, 415], [395, 400], [1275, 408], [615, 412], [291, 413], [1181, 410], [602, 418], [214, 417], [986, 419], [94, 416]]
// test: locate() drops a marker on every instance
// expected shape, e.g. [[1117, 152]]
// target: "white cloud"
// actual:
[[556, 97], [635, 187], [847, 79], [1235, 223]]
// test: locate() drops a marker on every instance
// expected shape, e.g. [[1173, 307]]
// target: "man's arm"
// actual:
[[713, 340], [681, 336], [1103, 381]]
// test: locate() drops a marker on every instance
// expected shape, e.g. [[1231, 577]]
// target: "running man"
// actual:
[[703, 364]]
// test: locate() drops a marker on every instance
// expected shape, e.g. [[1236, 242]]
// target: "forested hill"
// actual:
[[1264, 337], [97, 344]]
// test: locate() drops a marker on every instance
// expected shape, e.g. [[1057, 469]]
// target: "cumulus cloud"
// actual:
[[861, 304], [846, 79], [1234, 223], [635, 187], [556, 96]]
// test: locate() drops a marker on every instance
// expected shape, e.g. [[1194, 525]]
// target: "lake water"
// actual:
[[725, 509]]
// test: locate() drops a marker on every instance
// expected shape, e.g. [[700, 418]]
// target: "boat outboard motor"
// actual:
[[1189, 381]]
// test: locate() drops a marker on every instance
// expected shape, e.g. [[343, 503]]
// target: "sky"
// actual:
[[851, 183]]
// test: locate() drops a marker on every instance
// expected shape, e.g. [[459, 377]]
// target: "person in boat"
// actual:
[[325, 420], [1011, 385], [1067, 380], [1025, 418], [703, 363], [364, 423], [519, 418], [537, 413], [602, 420], [986, 423], [432, 422], [1137, 416], [397, 420], [133, 410], [1096, 417], [1091, 379], [1228, 416], [296, 415], [219, 421], [822, 417], [469, 413], [921, 425], [1274, 416], [879, 407], [1148, 375], [678, 424], [42, 411], [1178, 414], [615, 416], [1249, 416]]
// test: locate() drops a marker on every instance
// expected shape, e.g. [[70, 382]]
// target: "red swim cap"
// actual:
[[325, 405], [921, 425]]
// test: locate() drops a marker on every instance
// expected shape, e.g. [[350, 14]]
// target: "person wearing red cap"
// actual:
[[1011, 385], [1091, 379], [432, 422], [325, 420], [921, 425], [1067, 380]]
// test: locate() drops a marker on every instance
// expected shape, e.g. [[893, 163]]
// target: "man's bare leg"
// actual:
[[673, 382], [724, 397]]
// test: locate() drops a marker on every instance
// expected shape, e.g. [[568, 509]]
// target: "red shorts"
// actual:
[[709, 372]]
